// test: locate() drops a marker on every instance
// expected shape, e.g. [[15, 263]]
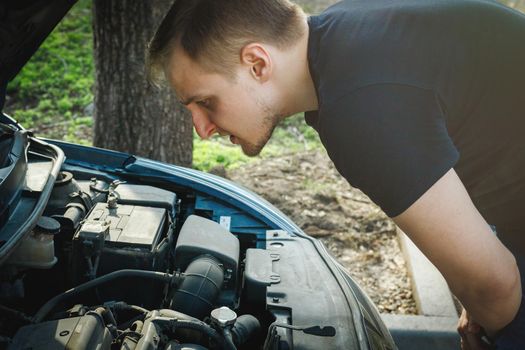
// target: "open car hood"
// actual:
[[24, 24]]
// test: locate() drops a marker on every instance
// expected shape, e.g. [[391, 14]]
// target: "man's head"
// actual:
[[227, 62]]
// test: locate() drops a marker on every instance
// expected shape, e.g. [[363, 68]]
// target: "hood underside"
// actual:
[[24, 24]]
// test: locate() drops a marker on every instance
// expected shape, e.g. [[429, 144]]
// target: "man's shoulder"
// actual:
[[359, 7], [361, 42], [384, 16]]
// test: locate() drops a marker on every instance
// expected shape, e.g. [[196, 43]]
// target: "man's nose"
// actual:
[[203, 125]]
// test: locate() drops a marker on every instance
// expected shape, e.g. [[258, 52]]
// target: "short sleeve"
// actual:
[[390, 141]]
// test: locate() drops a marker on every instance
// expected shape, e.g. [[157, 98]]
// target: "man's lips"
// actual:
[[233, 139]]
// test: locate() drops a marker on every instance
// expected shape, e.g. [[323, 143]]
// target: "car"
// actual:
[[106, 250]]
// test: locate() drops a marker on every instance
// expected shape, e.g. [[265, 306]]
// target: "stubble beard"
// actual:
[[271, 118], [268, 125]]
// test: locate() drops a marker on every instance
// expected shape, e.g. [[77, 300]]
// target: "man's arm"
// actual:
[[480, 271]]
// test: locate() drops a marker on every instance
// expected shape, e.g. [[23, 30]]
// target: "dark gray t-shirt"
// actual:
[[409, 89]]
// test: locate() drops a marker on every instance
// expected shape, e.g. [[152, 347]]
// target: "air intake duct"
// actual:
[[198, 291]]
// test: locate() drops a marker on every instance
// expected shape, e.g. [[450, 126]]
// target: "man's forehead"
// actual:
[[185, 76], [190, 81], [184, 89]]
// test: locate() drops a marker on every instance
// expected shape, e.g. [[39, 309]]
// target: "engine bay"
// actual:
[[113, 264]]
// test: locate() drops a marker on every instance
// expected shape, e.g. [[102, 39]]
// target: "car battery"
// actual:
[[116, 236]]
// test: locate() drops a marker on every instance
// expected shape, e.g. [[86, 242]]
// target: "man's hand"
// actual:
[[471, 333]]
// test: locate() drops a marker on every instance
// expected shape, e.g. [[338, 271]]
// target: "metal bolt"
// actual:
[[112, 200], [228, 274]]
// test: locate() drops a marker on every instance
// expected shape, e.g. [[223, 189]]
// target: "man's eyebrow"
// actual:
[[189, 100]]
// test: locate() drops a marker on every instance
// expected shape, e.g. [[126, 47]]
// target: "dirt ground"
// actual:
[[307, 188]]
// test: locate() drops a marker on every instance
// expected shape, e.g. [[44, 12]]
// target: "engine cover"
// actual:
[[79, 333]]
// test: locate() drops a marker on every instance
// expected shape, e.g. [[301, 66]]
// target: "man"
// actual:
[[418, 102]]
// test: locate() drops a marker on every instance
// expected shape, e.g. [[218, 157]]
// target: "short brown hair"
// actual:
[[212, 32]]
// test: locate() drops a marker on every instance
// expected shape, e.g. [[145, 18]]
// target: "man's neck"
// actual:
[[298, 86]]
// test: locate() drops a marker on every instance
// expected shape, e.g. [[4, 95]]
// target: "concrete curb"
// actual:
[[430, 290], [420, 332], [434, 328]]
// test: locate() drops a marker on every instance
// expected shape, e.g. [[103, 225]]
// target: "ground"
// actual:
[[306, 187]]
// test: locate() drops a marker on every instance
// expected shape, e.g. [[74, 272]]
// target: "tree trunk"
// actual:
[[130, 114]]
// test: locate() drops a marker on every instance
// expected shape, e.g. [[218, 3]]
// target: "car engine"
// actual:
[[115, 265]]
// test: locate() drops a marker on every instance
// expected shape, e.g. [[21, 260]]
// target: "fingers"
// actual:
[[473, 327], [464, 345], [470, 332], [463, 323], [473, 342]]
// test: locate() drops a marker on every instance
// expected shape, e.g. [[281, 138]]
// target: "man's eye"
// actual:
[[204, 103]]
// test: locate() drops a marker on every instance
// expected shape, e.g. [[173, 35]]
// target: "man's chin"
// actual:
[[251, 150]]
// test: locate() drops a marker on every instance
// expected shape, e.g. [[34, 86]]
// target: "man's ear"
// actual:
[[255, 57]]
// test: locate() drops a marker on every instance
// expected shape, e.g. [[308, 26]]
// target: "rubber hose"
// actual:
[[121, 305], [245, 326], [202, 283], [228, 339], [200, 327], [52, 303]]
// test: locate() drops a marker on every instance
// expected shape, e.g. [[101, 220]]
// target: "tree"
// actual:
[[130, 114]]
